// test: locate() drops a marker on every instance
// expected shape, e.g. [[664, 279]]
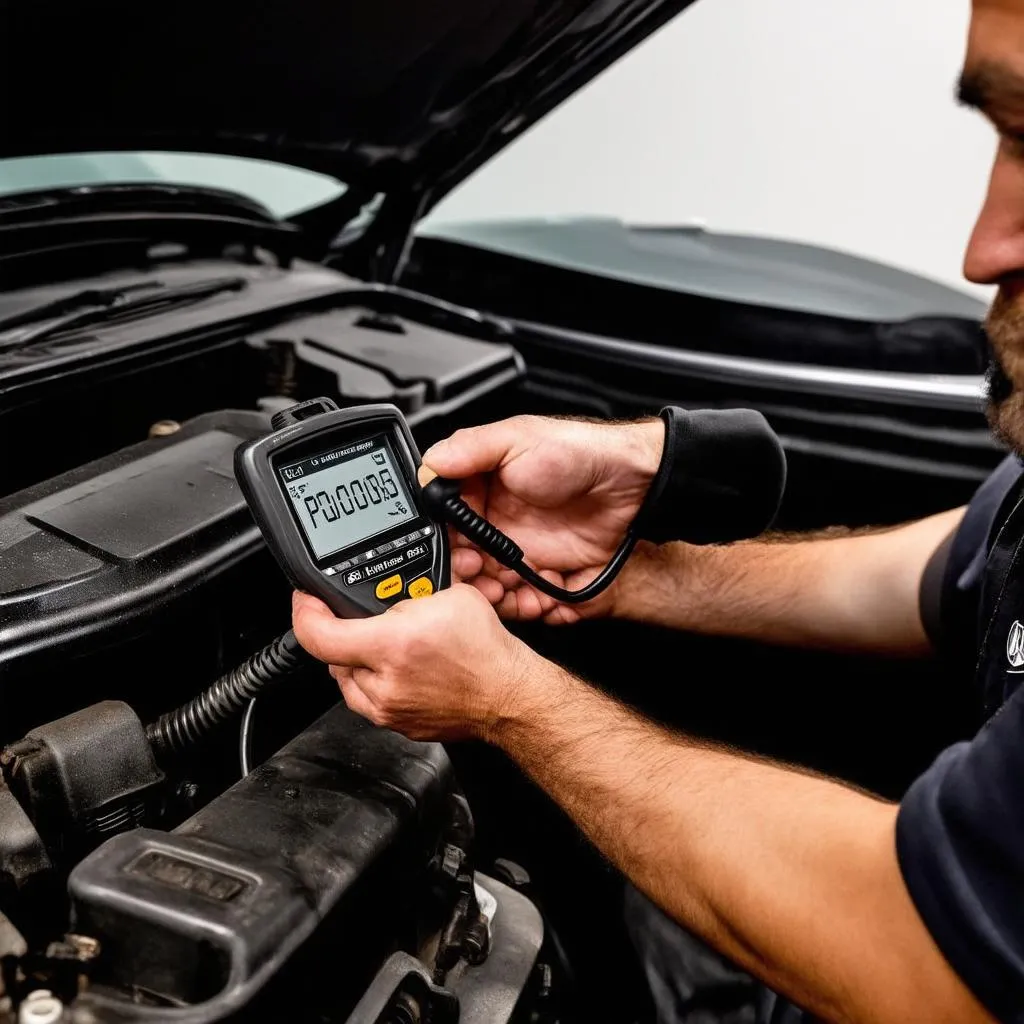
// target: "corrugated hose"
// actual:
[[178, 730]]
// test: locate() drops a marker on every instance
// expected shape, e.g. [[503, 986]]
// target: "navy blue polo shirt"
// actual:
[[960, 830]]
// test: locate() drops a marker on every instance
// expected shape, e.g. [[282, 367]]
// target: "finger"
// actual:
[[491, 589], [367, 681], [473, 450], [340, 673], [508, 578], [508, 606], [355, 699], [562, 615], [333, 640], [527, 603], [547, 602], [532, 603], [456, 539], [491, 567], [467, 563]]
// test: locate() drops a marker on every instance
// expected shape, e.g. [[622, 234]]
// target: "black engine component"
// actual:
[[26, 871], [72, 783], [365, 354], [403, 992], [84, 778], [95, 551], [343, 822]]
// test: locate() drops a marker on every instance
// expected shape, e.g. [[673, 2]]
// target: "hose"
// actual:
[[182, 728]]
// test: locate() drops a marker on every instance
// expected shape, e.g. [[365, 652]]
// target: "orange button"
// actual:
[[421, 587], [391, 587]]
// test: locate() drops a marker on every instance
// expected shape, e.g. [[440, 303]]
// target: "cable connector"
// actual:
[[444, 499]]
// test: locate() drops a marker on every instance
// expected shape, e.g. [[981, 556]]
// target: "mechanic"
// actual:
[[849, 907]]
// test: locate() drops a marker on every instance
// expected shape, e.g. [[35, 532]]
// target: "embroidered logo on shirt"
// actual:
[[1015, 645]]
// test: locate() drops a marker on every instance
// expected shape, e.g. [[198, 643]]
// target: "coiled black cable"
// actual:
[[445, 501], [180, 729]]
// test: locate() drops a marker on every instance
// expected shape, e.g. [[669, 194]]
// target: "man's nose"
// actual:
[[996, 249]]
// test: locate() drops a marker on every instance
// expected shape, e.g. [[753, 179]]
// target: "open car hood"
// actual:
[[391, 96]]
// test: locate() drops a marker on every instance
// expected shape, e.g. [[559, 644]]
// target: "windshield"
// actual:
[[282, 189]]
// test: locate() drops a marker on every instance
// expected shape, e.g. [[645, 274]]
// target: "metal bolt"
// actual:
[[40, 1007], [452, 860], [476, 941], [405, 1010], [188, 791], [85, 946], [164, 428]]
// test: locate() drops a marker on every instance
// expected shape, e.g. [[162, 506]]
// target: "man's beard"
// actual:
[[1005, 377]]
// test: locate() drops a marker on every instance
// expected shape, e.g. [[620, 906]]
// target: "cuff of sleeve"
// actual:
[[721, 478], [931, 589]]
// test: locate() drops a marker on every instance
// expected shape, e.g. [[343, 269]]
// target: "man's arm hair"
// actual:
[[792, 876], [849, 590]]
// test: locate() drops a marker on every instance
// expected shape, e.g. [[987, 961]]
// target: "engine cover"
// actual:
[[286, 894], [106, 558]]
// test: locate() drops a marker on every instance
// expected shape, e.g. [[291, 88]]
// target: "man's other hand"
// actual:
[[564, 490], [438, 668]]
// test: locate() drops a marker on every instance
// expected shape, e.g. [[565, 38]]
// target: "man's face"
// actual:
[[993, 81]]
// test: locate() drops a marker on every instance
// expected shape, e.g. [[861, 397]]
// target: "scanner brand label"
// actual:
[[388, 563], [392, 561]]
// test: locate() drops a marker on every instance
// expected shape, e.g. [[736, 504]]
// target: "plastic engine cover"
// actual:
[[332, 835], [106, 544]]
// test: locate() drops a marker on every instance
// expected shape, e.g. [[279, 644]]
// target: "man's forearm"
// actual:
[[792, 876], [857, 592]]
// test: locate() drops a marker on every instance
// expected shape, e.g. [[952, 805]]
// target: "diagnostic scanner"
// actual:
[[335, 495]]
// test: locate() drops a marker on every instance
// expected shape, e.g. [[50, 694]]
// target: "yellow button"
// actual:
[[421, 587], [391, 587]]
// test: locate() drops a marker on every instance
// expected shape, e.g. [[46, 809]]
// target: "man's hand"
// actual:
[[438, 668], [565, 491]]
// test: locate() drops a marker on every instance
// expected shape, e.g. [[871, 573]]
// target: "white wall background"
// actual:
[[825, 121]]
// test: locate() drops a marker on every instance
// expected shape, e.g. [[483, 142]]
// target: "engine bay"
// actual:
[[135, 878]]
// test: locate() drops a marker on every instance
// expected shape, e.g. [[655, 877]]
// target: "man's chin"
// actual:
[[1005, 410]]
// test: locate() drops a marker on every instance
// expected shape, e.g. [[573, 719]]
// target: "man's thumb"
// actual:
[[471, 451]]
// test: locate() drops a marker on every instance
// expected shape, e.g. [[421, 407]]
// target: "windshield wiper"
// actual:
[[103, 305]]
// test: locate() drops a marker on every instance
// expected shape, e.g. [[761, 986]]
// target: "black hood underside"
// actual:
[[390, 95]]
